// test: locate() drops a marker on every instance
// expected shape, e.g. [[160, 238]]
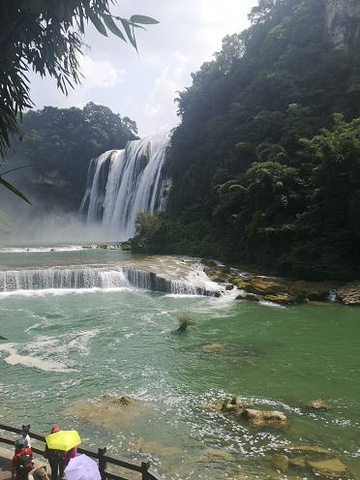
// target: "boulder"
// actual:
[[349, 294], [248, 296], [234, 405], [281, 299], [317, 405], [330, 469], [212, 348], [265, 418]]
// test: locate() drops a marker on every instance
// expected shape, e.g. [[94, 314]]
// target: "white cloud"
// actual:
[[159, 107], [143, 87], [99, 74]]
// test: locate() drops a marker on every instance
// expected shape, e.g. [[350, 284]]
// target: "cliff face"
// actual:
[[342, 21]]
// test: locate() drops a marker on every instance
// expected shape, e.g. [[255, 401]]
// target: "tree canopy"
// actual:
[[265, 162], [57, 146]]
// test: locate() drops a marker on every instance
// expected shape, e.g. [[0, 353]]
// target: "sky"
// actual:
[[143, 85]]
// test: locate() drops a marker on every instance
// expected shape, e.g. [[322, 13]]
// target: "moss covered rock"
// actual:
[[330, 469]]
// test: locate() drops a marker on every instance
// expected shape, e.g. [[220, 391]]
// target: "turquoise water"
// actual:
[[70, 354]]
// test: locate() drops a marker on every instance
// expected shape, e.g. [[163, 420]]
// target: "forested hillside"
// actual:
[[266, 161], [58, 145]]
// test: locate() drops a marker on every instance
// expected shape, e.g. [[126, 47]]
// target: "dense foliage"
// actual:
[[266, 161], [58, 145]]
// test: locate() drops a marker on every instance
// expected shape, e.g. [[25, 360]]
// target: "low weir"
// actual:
[[98, 277]]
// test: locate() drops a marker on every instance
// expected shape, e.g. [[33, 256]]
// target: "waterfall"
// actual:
[[42, 279], [98, 277], [121, 183]]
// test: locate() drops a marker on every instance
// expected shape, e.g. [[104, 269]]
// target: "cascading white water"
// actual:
[[41, 279], [123, 182], [100, 277]]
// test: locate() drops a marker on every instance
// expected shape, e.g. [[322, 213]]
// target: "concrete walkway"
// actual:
[[5, 463], [6, 455]]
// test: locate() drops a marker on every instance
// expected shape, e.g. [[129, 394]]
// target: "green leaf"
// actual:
[[97, 23], [14, 190], [143, 19], [111, 25], [129, 32]]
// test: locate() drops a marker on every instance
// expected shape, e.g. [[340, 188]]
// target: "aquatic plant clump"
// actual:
[[185, 319]]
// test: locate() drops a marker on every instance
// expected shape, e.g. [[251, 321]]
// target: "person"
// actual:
[[56, 459], [24, 432], [39, 472], [69, 455], [22, 461]]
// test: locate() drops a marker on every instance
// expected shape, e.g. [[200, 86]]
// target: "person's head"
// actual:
[[55, 429], [25, 429], [20, 443]]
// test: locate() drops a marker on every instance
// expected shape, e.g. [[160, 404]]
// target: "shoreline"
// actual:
[[281, 290]]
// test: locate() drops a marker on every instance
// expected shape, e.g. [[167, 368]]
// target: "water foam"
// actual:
[[15, 358]]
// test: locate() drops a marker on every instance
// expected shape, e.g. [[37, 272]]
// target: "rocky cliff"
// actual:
[[342, 20]]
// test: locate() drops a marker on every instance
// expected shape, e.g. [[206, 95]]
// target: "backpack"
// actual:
[[24, 463]]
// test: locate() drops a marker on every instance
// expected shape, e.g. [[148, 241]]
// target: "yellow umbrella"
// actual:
[[63, 440]]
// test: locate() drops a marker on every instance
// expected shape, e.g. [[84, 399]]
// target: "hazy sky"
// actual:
[[143, 86]]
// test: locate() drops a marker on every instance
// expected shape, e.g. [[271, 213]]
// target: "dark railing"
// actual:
[[103, 460]]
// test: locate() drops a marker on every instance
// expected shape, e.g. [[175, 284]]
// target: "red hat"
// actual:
[[55, 429]]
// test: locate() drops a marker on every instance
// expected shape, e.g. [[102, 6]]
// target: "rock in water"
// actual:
[[212, 348], [317, 405], [330, 469], [265, 418]]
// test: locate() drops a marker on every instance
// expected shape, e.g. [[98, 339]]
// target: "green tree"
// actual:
[[243, 181], [47, 36], [146, 229], [58, 145], [330, 225]]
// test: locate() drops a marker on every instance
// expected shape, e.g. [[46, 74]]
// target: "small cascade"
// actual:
[[121, 183], [152, 281], [98, 277], [67, 278]]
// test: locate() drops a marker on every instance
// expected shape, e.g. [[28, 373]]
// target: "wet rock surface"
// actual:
[[283, 291], [310, 462], [111, 411], [234, 405], [265, 418], [317, 405], [212, 348], [349, 294], [330, 469]]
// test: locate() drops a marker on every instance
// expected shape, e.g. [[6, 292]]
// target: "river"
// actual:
[[70, 354]]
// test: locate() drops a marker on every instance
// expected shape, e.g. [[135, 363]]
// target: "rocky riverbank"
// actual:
[[292, 460], [284, 291]]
